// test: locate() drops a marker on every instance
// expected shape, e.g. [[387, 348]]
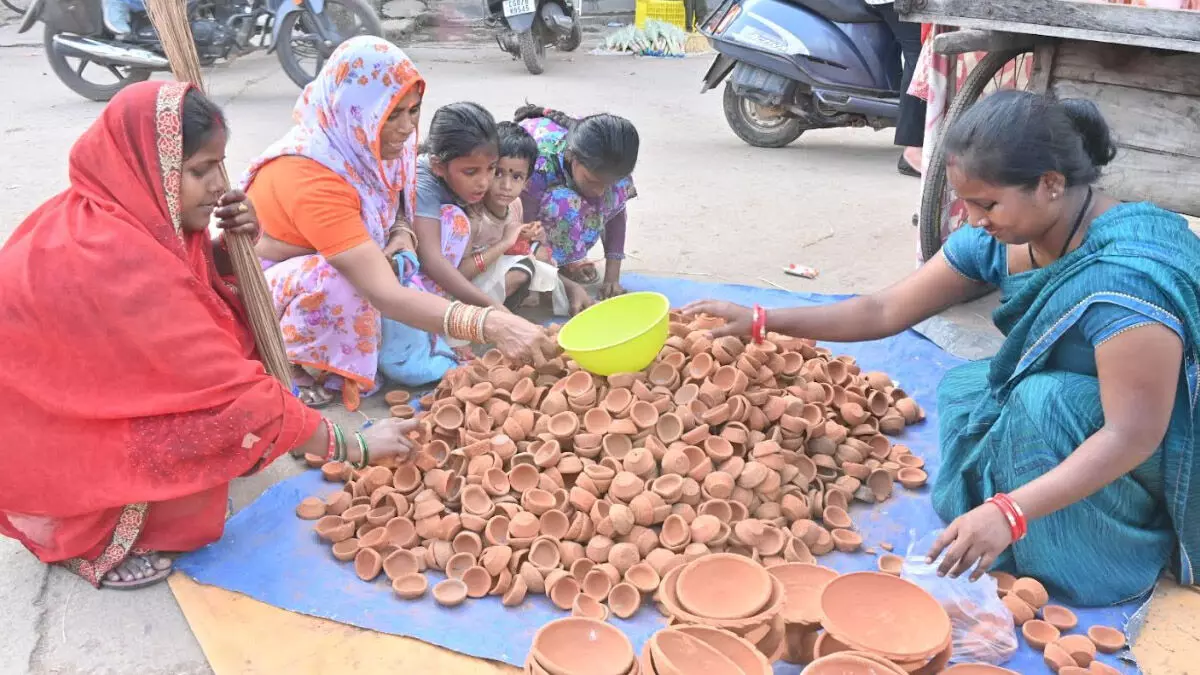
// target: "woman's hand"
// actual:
[[610, 289], [515, 337], [975, 539], [235, 213], [400, 238], [388, 438], [737, 318], [577, 295]]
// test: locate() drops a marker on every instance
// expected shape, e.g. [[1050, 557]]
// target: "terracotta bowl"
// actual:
[[675, 653], [580, 646], [912, 478], [842, 663], [450, 592], [1039, 633], [904, 623], [410, 586], [742, 653], [1060, 617], [890, 563], [977, 669], [723, 586], [311, 508], [345, 550], [1108, 640], [624, 600], [803, 583]]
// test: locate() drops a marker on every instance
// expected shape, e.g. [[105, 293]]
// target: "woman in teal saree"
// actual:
[[1086, 418]]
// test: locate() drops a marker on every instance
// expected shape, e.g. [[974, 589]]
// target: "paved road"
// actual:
[[709, 207]]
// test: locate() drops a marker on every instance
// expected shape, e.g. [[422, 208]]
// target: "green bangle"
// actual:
[[341, 443], [366, 454]]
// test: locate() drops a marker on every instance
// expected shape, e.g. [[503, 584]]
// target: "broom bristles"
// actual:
[[175, 33]]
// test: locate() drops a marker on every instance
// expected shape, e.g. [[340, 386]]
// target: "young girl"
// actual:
[[508, 257], [579, 189]]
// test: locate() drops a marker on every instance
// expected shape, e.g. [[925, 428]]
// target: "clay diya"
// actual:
[[676, 653], [401, 563], [1031, 591], [1108, 640], [912, 478], [1057, 658], [835, 517], [367, 564], [846, 541], [917, 627], [1080, 647], [890, 564], [311, 508], [624, 600], [724, 586], [477, 581], [410, 586], [563, 592], [588, 607], [1059, 617], [1020, 610], [450, 592], [1039, 633], [346, 549]]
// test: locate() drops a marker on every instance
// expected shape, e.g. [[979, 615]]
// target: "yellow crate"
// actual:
[[667, 11]]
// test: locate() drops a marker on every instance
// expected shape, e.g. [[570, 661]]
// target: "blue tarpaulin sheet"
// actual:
[[270, 555]]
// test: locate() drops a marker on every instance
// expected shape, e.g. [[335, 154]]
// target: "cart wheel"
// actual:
[[936, 205]]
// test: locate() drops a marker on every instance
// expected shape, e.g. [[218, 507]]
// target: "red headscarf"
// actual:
[[129, 391]]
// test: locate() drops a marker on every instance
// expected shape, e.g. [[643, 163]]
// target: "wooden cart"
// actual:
[[1140, 65]]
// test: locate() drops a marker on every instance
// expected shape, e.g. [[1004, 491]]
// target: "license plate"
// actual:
[[517, 7]]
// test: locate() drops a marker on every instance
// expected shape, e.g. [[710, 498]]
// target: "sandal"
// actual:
[[315, 396], [581, 272], [139, 571]]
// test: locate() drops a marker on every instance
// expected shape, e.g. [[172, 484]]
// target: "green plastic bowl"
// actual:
[[620, 335]]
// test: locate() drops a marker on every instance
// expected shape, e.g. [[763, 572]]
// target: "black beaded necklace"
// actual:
[[1087, 205]]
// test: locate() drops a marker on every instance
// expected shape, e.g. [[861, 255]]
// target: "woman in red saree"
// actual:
[[130, 392]]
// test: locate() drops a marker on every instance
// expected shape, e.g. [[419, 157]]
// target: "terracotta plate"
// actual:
[[977, 669], [723, 586], [804, 583], [579, 646], [886, 615], [843, 663]]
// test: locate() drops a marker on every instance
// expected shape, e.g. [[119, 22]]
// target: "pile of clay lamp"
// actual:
[[546, 479], [1064, 653]]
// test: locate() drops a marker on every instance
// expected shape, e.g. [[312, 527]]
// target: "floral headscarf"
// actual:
[[338, 119]]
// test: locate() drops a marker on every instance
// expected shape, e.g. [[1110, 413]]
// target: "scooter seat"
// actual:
[[841, 11]]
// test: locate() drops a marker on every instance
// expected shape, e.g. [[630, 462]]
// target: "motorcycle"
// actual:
[[298, 31], [796, 65], [526, 27]]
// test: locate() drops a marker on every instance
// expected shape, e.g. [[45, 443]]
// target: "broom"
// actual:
[[175, 32]]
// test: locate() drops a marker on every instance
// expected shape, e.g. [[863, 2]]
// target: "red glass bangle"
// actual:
[[758, 325], [331, 450], [479, 262], [1018, 526]]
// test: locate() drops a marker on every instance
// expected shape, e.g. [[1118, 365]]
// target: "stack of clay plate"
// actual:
[[701, 650], [871, 617], [580, 646], [803, 584], [730, 592]]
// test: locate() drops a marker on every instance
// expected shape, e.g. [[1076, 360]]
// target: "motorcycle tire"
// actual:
[[753, 131], [287, 56], [74, 80], [572, 41], [533, 51]]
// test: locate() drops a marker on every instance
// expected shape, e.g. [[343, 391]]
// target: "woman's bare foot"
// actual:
[[138, 571]]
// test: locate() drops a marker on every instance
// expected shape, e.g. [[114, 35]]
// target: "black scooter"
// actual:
[[526, 27]]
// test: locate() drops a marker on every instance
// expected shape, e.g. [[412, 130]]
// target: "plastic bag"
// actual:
[[981, 627]]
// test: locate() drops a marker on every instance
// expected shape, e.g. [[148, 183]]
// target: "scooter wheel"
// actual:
[[533, 52], [73, 74], [748, 121]]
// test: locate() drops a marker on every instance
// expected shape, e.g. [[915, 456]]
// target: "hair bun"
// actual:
[[1089, 122]]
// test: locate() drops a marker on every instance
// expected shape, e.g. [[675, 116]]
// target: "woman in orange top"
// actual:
[[329, 196]]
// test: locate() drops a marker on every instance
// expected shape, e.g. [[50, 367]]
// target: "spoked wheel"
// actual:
[[302, 54], [941, 213], [759, 125], [87, 78]]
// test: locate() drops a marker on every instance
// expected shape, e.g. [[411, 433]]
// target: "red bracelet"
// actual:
[[331, 451], [479, 262], [1018, 525], [758, 326]]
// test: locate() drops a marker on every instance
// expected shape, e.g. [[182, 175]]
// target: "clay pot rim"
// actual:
[[805, 571], [591, 625], [930, 611], [667, 597], [700, 632], [457, 587]]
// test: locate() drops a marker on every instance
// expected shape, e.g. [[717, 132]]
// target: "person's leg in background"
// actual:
[[117, 16], [910, 126]]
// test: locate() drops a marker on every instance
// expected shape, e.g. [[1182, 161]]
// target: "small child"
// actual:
[[509, 258]]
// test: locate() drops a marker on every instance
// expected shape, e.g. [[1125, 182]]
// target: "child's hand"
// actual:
[[532, 231]]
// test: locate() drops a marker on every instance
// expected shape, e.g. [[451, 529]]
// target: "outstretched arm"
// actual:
[[438, 268], [920, 295]]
